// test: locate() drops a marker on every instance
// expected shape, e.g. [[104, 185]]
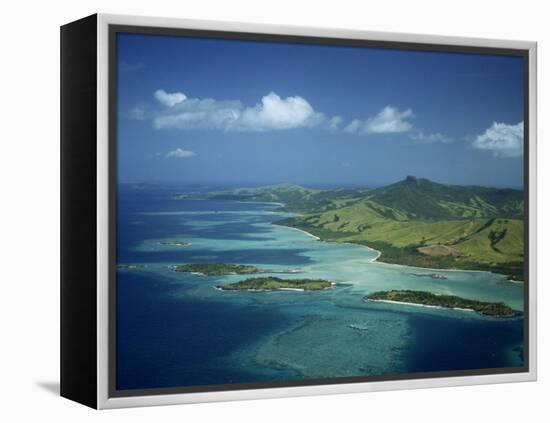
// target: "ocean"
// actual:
[[176, 330]]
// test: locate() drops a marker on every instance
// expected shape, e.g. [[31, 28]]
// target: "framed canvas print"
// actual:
[[254, 211]]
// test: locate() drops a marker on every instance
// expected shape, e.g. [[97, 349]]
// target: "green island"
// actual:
[[217, 269], [445, 301], [270, 283], [413, 222], [175, 243]]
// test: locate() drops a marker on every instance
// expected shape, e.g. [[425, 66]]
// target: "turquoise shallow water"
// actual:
[[290, 335]]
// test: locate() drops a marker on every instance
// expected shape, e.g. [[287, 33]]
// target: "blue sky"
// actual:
[[247, 112]]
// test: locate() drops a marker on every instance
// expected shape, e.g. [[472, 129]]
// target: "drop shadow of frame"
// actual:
[[51, 387]]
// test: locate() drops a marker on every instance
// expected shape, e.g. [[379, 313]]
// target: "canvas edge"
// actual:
[[103, 399], [533, 195]]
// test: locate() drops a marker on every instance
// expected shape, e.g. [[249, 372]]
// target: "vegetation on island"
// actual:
[[217, 269], [414, 222], [446, 301], [271, 283]]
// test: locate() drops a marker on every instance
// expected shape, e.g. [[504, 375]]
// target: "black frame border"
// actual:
[[78, 211], [114, 29]]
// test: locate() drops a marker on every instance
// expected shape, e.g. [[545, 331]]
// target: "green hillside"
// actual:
[[294, 197], [414, 222], [424, 199], [471, 244]]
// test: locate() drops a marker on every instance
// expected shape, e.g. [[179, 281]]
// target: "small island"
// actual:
[[271, 283], [444, 301], [217, 269], [175, 243], [129, 266]]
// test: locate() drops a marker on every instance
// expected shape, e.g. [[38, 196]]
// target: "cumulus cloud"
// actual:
[[389, 120], [169, 99], [194, 113], [275, 112], [176, 110], [271, 113], [179, 153], [502, 139], [428, 138]]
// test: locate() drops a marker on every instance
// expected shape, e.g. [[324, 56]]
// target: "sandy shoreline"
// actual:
[[377, 261], [220, 288], [259, 202], [435, 269], [272, 290], [305, 232], [421, 305], [260, 289]]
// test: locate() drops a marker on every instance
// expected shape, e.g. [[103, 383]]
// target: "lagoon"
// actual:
[[176, 329]]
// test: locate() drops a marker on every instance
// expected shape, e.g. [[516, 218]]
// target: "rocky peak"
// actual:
[[411, 179]]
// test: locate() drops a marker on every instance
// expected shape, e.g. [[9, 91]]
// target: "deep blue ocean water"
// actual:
[[175, 329]]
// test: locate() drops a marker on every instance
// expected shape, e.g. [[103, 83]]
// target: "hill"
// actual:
[[414, 222], [422, 198], [293, 197]]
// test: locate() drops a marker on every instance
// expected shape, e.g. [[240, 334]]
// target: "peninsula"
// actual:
[[413, 222]]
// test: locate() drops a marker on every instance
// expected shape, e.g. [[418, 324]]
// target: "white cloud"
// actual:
[[272, 113], [137, 113], [354, 126], [428, 138], [169, 99], [275, 112], [179, 153], [177, 111], [195, 113], [502, 139], [389, 120], [333, 124]]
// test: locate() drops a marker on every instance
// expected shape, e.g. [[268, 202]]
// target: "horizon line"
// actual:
[[314, 185]]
